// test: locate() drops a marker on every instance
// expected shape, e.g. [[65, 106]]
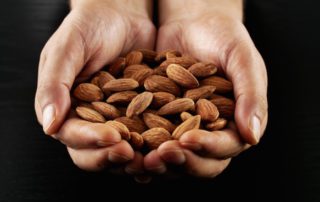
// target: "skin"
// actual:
[[97, 31]]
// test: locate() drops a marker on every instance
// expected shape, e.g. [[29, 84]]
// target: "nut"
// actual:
[[156, 83], [121, 128], [90, 115], [88, 92], [177, 106], [154, 137], [191, 123], [182, 76], [139, 104], [155, 121], [121, 85], [207, 110]]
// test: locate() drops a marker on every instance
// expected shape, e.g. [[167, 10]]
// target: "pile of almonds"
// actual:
[[154, 97]]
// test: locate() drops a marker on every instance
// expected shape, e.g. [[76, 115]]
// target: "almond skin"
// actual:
[[163, 55], [203, 70], [121, 85], [182, 76], [219, 124], [156, 83], [198, 93], [140, 75], [134, 124], [134, 57], [225, 106], [139, 104], [122, 97], [136, 140], [222, 85], [104, 77], [95, 80], [130, 70], [121, 128], [177, 106], [185, 115], [191, 123], [107, 110], [155, 121], [207, 110], [117, 66], [160, 70], [161, 98], [148, 55], [88, 92], [184, 61], [154, 137], [90, 115]]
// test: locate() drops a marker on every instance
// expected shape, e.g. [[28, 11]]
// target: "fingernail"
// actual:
[[255, 128], [117, 158], [175, 156], [191, 145], [143, 179], [48, 116], [158, 169], [132, 171]]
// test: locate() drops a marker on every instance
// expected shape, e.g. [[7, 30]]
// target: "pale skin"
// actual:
[[209, 30]]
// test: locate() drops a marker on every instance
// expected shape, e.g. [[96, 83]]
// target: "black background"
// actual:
[[284, 166]]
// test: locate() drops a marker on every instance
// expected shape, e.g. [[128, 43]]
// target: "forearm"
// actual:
[[169, 9]]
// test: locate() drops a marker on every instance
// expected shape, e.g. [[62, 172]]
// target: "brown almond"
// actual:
[[207, 110], [198, 93], [161, 56], [155, 121], [122, 97], [154, 137], [141, 75], [121, 85], [89, 114], [182, 76], [134, 124], [139, 104], [130, 70], [160, 70], [156, 83], [148, 55], [203, 70], [107, 110], [225, 106], [121, 128], [117, 66], [185, 115], [218, 124], [189, 124], [104, 77], [136, 140], [184, 61], [222, 85], [83, 104], [88, 92], [95, 80], [177, 106], [161, 98], [134, 57]]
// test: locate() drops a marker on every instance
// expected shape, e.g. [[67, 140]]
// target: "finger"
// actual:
[[77, 133], [217, 144], [154, 163], [98, 159], [135, 167], [165, 35]]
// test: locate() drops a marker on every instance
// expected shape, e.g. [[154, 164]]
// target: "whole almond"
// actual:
[[122, 97], [136, 140], [88, 92], [185, 115], [207, 110], [121, 128], [139, 104], [203, 70], [161, 98], [182, 76], [107, 110], [219, 124], [222, 85], [155, 121], [141, 75], [95, 80], [160, 70], [198, 93], [154, 137], [148, 55], [161, 56], [121, 85], [104, 77], [117, 66], [134, 57], [156, 83], [90, 115], [225, 106], [84, 104], [189, 124], [134, 124], [130, 70], [184, 61], [177, 106]]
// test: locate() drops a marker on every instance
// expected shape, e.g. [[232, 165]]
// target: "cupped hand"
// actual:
[[93, 34], [212, 31]]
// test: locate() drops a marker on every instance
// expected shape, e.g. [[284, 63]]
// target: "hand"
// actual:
[[212, 31], [93, 34]]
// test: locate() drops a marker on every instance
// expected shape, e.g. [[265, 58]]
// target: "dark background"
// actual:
[[284, 166]]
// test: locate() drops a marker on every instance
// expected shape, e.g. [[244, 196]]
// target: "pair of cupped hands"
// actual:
[[95, 32]]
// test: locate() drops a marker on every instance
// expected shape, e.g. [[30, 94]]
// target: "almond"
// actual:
[[95, 80], [148, 55], [198, 93], [107, 110], [134, 124], [117, 66], [121, 128], [161, 56], [219, 124], [222, 85], [122, 97], [90, 115], [134, 57], [182, 76], [139, 104], [154, 137], [225, 105], [203, 70], [189, 124], [84, 104], [185, 115], [104, 77], [141, 75], [156, 83], [130, 70], [161, 98], [88, 92], [136, 140], [155, 121], [184, 61], [121, 85], [177, 106], [207, 110], [160, 70]]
